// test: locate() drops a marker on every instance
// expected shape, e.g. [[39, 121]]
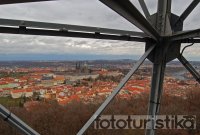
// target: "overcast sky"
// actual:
[[81, 12]]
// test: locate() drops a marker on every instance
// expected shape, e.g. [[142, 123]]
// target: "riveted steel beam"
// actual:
[[3, 2], [64, 33], [185, 35], [67, 27], [187, 12], [145, 9], [16, 122], [189, 67], [126, 9]]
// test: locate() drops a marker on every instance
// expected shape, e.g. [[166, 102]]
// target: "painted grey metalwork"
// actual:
[[196, 40], [159, 61], [189, 67], [156, 85], [163, 35], [3, 2], [116, 91], [64, 33], [187, 12], [16, 122], [145, 9], [67, 27], [126, 9], [186, 35]]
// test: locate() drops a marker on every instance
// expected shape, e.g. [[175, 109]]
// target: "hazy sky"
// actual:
[[81, 12]]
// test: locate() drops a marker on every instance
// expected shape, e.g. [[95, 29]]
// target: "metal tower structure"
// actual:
[[162, 32]]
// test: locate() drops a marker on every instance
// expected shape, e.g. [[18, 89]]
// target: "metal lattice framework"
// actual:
[[163, 35]]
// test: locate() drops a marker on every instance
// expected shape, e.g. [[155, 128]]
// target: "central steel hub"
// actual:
[[165, 49]]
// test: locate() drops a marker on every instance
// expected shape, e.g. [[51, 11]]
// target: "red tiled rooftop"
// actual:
[[132, 89], [3, 82], [21, 90], [18, 91]]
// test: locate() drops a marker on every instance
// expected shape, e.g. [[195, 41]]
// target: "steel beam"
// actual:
[[116, 91], [163, 17], [156, 89], [190, 41], [185, 35], [189, 67], [2, 2], [145, 9], [164, 8], [64, 33], [185, 14], [156, 93], [159, 56], [16, 122], [55, 26], [126, 9]]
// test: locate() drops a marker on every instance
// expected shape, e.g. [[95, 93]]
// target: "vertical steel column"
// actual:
[[156, 87], [163, 16], [159, 62]]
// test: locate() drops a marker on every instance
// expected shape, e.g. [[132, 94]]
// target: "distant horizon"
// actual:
[[61, 57], [16, 47], [70, 57]]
